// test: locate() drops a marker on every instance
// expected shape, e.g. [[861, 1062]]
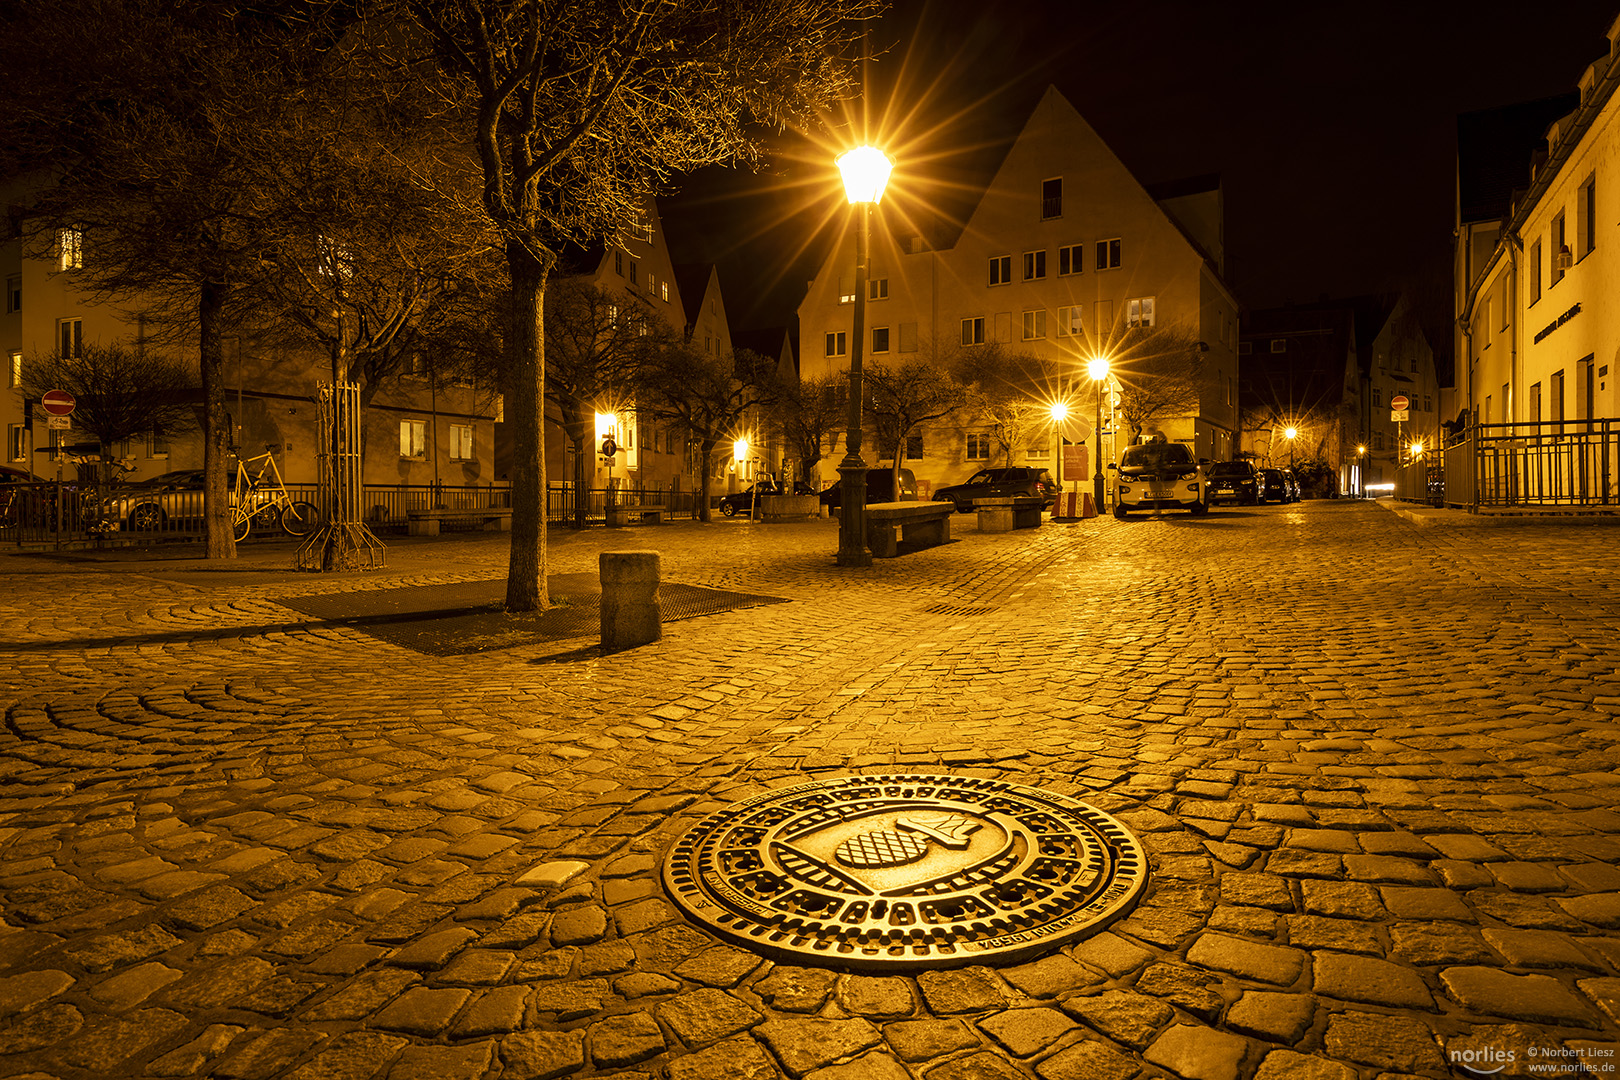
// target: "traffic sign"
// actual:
[[609, 448], [1399, 402], [1399, 416], [59, 423], [57, 402]]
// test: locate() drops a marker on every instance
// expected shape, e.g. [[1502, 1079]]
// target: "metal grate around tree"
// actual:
[[343, 541]]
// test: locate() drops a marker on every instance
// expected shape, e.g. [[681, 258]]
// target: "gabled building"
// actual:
[[1301, 372], [1063, 249]]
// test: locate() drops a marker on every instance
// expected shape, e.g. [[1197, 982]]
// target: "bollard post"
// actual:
[[630, 610]]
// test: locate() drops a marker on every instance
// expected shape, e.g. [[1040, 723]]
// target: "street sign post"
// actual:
[[57, 402]]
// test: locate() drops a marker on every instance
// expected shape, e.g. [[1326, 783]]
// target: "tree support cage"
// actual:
[[343, 541]]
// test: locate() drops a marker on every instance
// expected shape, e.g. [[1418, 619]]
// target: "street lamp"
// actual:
[[1290, 434], [1361, 471], [1060, 413], [1097, 368], [865, 170]]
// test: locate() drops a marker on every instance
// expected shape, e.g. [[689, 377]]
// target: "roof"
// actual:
[[1494, 148]]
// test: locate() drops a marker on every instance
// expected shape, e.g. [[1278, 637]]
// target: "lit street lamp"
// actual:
[[1060, 413], [865, 170], [1097, 368], [1361, 471], [1289, 434]]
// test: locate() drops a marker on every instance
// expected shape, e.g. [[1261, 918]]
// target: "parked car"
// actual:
[[1000, 484], [1294, 494], [1159, 476], [879, 488], [146, 505], [1274, 486], [744, 500], [1233, 481]]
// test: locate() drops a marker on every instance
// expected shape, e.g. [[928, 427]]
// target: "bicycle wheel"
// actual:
[[241, 523], [299, 518]]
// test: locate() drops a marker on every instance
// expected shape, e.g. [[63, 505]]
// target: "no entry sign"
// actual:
[[57, 402], [1398, 402]]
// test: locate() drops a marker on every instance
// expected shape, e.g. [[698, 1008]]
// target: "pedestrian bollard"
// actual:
[[630, 611]]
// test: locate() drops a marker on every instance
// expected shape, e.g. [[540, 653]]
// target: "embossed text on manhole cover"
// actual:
[[906, 872]]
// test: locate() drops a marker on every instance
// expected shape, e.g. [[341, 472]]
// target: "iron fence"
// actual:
[[562, 501], [1547, 465], [1421, 480]]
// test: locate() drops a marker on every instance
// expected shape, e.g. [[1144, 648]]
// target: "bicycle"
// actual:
[[262, 497]]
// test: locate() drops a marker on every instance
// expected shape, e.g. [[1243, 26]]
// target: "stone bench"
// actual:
[[640, 513], [1009, 513], [922, 523], [790, 507], [426, 522]]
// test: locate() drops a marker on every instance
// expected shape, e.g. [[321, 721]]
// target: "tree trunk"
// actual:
[[216, 422], [577, 435], [706, 454], [525, 342]]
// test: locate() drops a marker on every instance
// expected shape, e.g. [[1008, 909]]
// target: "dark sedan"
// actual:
[[1234, 481]]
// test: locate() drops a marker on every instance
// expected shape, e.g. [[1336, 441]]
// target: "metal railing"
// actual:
[[562, 501], [1548, 465], [1423, 480]]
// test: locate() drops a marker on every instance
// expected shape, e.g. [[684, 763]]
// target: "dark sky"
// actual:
[[1332, 126]]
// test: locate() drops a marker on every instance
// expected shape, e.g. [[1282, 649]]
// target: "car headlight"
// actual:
[[1189, 476], [1124, 489]]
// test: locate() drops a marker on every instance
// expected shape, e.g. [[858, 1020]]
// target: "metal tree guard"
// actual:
[[343, 541]]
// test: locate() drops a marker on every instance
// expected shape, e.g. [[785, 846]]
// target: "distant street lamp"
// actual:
[[1361, 471], [1097, 368], [1290, 434], [865, 170], [1060, 413]]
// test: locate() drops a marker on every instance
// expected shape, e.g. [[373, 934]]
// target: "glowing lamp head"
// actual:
[[1417, 448], [739, 450], [866, 171], [1097, 367], [1289, 433], [1361, 450], [606, 424], [1060, 412]]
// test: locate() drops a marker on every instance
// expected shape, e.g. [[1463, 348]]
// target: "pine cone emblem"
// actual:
[[885, 848]]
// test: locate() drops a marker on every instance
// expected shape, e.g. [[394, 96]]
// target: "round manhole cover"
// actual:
[[896, 872]]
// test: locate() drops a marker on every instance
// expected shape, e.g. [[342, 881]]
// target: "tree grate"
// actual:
[[958, 609]]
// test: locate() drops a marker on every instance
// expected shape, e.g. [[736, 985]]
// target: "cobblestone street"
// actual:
[[1374, 765]]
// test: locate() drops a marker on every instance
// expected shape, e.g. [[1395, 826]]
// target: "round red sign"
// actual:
[[57, 402], [1398, 402]]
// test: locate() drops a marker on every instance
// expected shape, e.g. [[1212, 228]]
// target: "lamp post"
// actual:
[[1361, 471], [865, 171], [1290, 434], [1060, 413], [1097, 368]]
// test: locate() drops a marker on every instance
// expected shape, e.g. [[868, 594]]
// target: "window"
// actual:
[[1107, 254], [978, 447], [1555, 397], [1428, 403], [663, 291], [1139, 312], [17, 442], [413, 438], [16, 370], [69, 338], [157, 444], [1378, 440], [1586, 218], [1503, 306], [633, 271], [914, 447], [70, 249], [642, 230], [618, 263], [1000, 269], [1414, 364], [1487, 417], [880, 339], [1560, 249], [652, 285], [1535, 272], [13, 294], [1034, 324], [1378, 397], [1071, 259], [836, 344], [1068, 321], [973, 331], [1279, 345], [1052, 198], [877, 289], [1034, 265], [461, 442]]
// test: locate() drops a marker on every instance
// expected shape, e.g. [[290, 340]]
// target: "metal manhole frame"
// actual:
[[719, 900]]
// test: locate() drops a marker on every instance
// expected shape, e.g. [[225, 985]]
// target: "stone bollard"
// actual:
[[630, 611]]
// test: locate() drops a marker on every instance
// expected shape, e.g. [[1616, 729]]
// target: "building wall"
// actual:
[[924, 295]]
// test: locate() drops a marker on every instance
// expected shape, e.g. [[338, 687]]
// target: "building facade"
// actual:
[[1064, 250]]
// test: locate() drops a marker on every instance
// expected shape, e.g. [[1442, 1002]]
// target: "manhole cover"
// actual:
[[906, 872]]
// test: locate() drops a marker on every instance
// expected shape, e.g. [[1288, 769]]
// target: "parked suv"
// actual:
[[1274, 486], [1233, 481], [879, 488], [1159, 476], [1000, 484], [744, 500]]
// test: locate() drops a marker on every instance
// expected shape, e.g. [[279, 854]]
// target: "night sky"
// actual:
[[1332, 127]]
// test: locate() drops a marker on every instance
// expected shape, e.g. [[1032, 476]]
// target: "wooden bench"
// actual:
[[921, 523], [1009, 513], [490, 518], [623, 514]]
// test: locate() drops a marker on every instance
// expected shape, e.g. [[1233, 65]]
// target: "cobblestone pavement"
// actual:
[[1374, 765]]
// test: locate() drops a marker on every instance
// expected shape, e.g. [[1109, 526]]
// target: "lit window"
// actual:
[[70, 249], [1071, 259], [1034, 265], [663, 291], [412, 438], [1034, 324], [1068, 320], [16, 370], [17, 442], [836, 344], [1108, 254], [1001, 269], [1052, 198], [1139, 312], [461, 442], [880, 339], [973, 331]]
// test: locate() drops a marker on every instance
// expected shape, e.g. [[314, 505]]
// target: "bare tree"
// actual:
[[810, 414], [903, 397], [121, 391], [577, 109], [708, 395], [596, 343], [1012, 391], [1161, 374]]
